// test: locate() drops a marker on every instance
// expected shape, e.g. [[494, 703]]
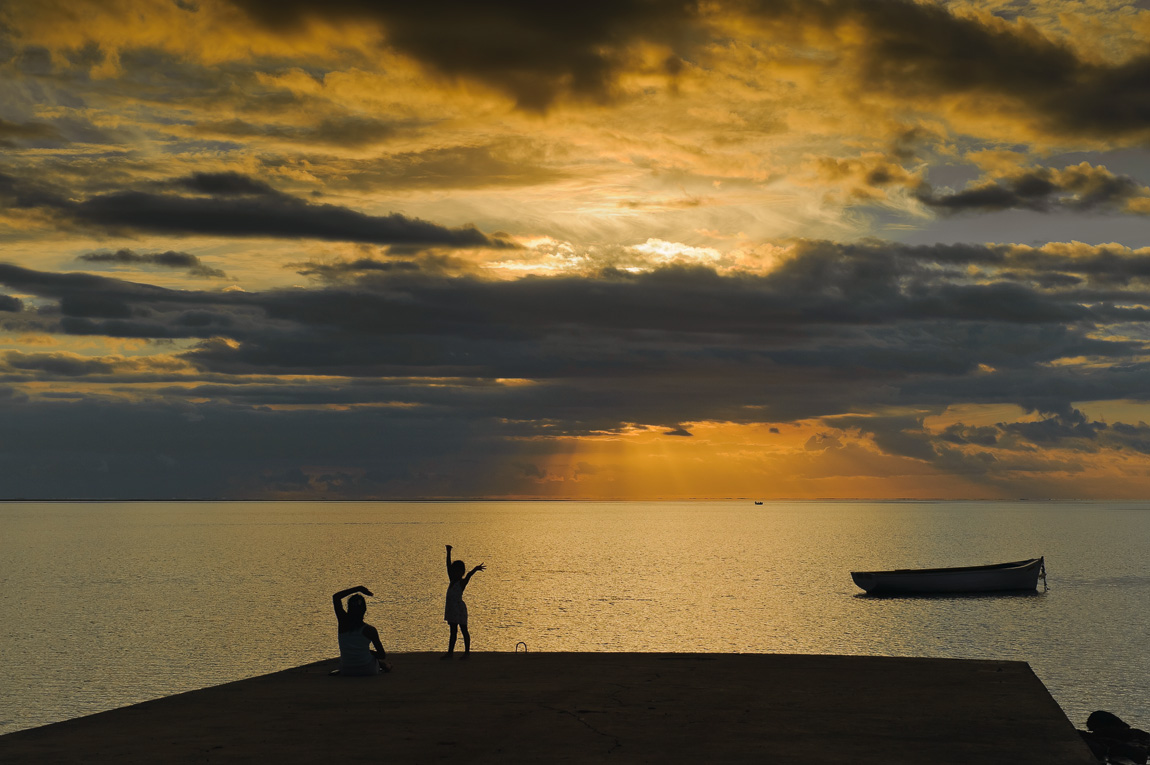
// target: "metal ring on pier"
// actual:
[[520, 643]]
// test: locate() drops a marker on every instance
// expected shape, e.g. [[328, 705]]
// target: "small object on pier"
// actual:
[[1113, 740]]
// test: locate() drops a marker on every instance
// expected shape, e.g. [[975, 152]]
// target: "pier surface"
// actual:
[[591, 707]]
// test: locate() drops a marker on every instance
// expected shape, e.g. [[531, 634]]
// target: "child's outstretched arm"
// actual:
[[448, 560], [467, 578]]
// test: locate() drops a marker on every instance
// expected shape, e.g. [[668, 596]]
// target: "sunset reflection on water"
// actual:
[[149, 599]]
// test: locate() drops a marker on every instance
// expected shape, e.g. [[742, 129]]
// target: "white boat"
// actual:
[[998, 577]]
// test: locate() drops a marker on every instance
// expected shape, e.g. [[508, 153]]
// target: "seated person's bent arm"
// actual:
[[372, 634]]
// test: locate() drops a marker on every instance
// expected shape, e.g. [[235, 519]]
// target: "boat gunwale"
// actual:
[[1018, 564]]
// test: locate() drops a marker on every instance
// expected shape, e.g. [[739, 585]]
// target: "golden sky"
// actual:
[[613, 248]]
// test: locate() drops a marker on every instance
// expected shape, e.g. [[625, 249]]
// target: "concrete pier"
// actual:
[[591, 707]]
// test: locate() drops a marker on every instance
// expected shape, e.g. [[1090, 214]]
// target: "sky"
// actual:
[[633, 249]]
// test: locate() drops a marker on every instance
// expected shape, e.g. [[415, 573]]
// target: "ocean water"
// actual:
[[107, 604]]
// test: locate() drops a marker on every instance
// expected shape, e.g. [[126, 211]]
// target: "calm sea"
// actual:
[[107, 604]]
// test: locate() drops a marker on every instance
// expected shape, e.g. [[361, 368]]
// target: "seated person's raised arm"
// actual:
[[337, 599]]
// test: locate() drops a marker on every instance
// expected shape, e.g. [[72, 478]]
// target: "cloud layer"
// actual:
[[360, 249], [833, 332]]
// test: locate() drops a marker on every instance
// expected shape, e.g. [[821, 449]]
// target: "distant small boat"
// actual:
[[998, 577], [757, 502]]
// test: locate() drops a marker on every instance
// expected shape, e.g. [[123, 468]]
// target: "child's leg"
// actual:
[[451, 642], [466, 639]]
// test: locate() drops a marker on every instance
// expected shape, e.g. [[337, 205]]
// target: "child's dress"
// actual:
[[455, 610]]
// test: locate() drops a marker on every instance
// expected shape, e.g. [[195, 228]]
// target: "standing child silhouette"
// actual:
[[455, 610]]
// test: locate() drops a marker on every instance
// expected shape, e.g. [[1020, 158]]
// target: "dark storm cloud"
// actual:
[[351, 131], [278, 217], [867, 267], [834, 332], [237, 206], [533, 51], [958, 433], [168, 259], [50, 284], [900, 436], [97, 305], [915, 49], [57, 364], [125, 450], [1102, 266], [21, 193], [991, 197], [341, 270], [16, 133], [993, 452], [1057, 429], [538, 51], [1049, 389], [1133, 437], [822, 284], [225, 185], [531, 470], [833, 290], [11, 304], [1082, 188], [551, 409], [1018, 447], [34, 60], [835, 329]]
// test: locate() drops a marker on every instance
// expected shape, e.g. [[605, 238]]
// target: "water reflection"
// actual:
[[1007, 595], [155, 598]]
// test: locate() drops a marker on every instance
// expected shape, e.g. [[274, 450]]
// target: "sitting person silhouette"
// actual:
[[355, 637]]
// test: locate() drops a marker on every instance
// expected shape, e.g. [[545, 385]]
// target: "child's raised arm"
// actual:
[[448, 560], [467, 578]]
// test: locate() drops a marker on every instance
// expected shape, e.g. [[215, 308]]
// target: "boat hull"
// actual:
[[1001, 577]]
